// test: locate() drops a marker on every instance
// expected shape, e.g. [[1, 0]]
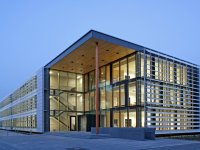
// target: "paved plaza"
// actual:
[[86, 141]]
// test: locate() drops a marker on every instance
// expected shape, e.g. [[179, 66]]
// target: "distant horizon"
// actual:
[[35, 32]]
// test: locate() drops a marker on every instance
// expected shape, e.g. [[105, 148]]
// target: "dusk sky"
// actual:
[[33, 32]]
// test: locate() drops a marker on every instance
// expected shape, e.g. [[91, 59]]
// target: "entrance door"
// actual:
[[72, 123]]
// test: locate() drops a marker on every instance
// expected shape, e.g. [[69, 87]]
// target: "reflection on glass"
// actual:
[[115, 119], [108, 75], [102, 98], [125, 122], [79, 83], [54, 105], [86, 82], [115, 72], [63, 100], [142, 65], [108, 97], [103, 119], [132, 117], [67, 81], [116, 96], [148, 66], [71, 101], [123, 69], [92, 101], [80, 103], [184, 75], [63, 80], [91, 80], [107, 118], [122, 95], [102, 75], [156, 69], [87, 102], [131, 66], [142, 118], [132, 93], [54, 79], [71, 82], [142, 94]]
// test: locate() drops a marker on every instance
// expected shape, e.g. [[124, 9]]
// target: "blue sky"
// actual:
[[32, 32]]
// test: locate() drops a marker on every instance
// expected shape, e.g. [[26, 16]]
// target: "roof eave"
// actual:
[[97, 35]]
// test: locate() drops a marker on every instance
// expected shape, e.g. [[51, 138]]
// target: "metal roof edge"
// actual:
[[108, 38], [75, 45], [98, 35], [117, 41]]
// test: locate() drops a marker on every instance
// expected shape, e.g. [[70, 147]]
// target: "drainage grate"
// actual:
[[76, 148]]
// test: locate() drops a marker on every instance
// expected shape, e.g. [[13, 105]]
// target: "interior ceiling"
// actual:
[[82, 60]]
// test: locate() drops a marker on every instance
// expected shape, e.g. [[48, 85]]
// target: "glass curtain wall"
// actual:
[[117, 82], [74, 95], [66, 99]]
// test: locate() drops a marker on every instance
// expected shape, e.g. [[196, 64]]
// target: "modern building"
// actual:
[[136, 87]]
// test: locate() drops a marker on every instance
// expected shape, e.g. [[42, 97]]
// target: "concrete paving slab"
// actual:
[[72, 141]]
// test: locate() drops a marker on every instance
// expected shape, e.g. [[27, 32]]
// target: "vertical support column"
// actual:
[[145, 88], [97, 88], [46, 100]]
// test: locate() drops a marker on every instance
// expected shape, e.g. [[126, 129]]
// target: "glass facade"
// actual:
[[135, 91], [73, 94], [66, 100]]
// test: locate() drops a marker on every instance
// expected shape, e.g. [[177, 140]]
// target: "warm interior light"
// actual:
[[50, 72], [78, 77]]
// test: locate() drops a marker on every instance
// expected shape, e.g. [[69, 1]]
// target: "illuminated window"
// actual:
[[115, 72], [123, 69]]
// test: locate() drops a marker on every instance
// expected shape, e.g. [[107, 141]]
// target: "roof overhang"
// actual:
[[80, 56]]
